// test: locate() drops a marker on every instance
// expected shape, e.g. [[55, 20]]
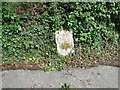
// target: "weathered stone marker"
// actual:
[[64, 41]]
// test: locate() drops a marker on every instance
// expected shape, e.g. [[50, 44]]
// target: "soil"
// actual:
[[19, 66], [112, 62]]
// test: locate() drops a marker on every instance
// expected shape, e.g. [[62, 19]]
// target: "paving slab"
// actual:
[[96, 77]]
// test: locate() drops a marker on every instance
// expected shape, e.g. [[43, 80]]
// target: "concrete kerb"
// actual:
[[96, 77]]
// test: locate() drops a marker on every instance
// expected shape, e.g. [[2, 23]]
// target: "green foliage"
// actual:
[[65, 87], [28, 28]]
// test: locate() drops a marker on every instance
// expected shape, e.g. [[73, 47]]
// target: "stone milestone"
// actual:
[[64, 41]]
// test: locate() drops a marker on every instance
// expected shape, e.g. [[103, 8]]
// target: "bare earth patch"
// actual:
[[113, 62]]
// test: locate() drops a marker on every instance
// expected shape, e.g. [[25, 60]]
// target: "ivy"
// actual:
[[29, 28]]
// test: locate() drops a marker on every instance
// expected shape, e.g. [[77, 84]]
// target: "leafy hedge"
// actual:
[[28, 28]]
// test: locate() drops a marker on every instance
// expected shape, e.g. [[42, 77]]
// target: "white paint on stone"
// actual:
[[64, 41]]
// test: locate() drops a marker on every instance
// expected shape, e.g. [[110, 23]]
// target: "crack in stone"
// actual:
[[86, 82], [84, 85]]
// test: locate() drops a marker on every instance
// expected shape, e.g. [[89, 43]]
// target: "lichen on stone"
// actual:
[[65, 45]]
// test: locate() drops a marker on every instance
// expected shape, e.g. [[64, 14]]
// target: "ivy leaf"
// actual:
[[19, 28]]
